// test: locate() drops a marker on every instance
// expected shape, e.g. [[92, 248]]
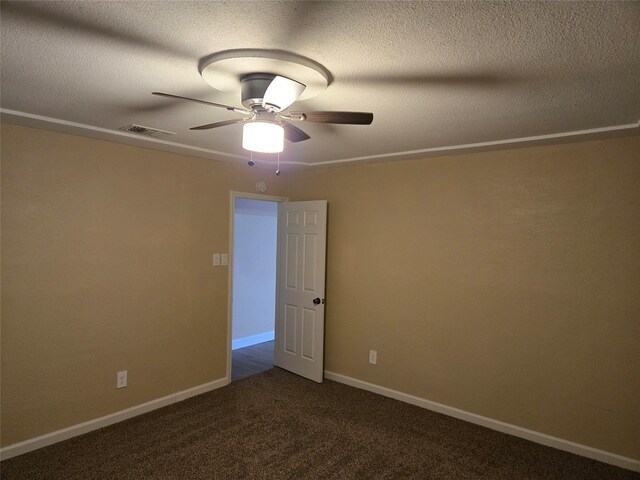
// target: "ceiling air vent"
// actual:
[[145, 131]]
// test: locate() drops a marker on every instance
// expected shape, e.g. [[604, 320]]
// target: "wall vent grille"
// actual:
[[145, 131]]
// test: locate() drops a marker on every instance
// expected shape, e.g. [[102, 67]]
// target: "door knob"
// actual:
[[318, 301]]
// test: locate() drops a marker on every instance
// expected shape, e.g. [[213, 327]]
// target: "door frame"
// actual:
[[232, 212]]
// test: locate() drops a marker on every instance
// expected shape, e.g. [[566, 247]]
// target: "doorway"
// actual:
[[253, 242]]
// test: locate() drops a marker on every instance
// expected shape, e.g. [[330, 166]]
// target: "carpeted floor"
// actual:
[[276, 425]]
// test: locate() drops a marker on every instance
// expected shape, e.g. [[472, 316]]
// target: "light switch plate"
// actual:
[[224, 259], [216, 259]]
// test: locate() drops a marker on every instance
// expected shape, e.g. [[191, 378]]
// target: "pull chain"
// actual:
[[278, 170], [251, 162]]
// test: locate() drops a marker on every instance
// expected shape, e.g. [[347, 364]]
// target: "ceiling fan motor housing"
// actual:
[[253, 87]]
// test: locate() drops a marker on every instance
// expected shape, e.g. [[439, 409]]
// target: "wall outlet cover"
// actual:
[[121, 380], [373, 357]]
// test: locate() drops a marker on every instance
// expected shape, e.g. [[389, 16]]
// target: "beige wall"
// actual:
[[506, 284], [106, 266]]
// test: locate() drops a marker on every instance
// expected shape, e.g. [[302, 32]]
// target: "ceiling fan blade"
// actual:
[[351, 118], [219, 124], [281, 93], [293, 133], [204, 102]]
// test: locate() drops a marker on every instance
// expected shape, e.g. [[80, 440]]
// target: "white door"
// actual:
[[299, 336]]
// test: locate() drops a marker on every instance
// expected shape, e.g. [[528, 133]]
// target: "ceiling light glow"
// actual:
[[263, 137], [281, 93]]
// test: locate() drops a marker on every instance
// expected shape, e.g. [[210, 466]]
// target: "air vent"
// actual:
[[146, 131]]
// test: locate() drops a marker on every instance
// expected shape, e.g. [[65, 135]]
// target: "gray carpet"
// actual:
[[276, 425]]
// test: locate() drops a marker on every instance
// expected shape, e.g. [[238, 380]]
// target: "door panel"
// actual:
[[299, 345], [310, 259], [291, 268], [290, 313], [308, 331]]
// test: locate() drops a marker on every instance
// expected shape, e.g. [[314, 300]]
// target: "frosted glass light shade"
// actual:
[[281, 93], [263, 137]]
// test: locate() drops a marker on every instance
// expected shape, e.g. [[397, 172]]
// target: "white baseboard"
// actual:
[[81, 428], [252, 340], [537, 437]]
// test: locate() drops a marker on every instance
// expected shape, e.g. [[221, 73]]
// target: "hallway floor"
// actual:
[[248, 361]]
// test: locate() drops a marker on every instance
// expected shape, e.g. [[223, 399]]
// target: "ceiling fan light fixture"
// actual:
[[264, 137], [281, 93]]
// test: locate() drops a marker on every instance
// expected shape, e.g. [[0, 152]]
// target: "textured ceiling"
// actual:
[[436, 75]]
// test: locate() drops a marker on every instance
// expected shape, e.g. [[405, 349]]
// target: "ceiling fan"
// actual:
[[266, 98]]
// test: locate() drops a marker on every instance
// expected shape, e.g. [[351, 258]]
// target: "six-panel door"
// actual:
[[299, 345]]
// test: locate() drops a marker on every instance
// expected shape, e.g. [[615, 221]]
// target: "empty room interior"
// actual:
[[295, 239]]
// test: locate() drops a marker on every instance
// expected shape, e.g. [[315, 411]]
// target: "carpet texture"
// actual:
[[276, 425]]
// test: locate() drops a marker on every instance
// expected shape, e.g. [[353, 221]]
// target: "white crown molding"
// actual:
[[59, 435], [49, 123], [537, 437], [521, 141], [39, 121]]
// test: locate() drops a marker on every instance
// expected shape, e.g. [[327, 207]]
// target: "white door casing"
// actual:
[[299, 334]]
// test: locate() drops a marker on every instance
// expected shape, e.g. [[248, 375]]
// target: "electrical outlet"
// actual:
[[373, 357], [224, 259], [121, 379], [216, 259]]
